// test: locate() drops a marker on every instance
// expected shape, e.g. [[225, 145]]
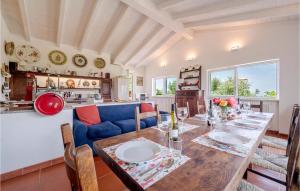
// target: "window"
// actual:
[[255, 80], [164, 86]]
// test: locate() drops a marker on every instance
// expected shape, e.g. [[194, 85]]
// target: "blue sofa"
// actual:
[[115, 120]]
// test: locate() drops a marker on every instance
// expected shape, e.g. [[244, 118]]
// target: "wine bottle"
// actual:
[[174, 132], [209, 113]]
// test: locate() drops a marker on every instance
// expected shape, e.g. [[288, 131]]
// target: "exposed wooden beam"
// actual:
[[119, 13], [91, 21], [61, 20], [227, 8], [148, 8], [128, 38], [287, 11], [25, 19], [169, 3], [161, 49], [157, 30]]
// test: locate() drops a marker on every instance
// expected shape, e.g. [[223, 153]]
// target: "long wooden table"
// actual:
[[208, 168]]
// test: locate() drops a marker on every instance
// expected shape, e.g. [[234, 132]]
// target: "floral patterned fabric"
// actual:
[[147, 173]]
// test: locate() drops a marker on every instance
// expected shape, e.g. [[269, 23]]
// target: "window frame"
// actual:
[[235, 69], [165, 91]]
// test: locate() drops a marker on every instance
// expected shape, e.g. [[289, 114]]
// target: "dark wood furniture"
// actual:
[[194, 98], [208, 168], [106, 85], [191, 80], [257, 106]]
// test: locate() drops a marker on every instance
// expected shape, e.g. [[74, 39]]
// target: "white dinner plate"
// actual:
[[137, 151], [228, 138], [247, 121]]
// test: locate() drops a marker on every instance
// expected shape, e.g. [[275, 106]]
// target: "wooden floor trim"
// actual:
[[29, 169]]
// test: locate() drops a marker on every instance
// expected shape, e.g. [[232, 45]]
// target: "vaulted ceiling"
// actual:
[[134, 32]]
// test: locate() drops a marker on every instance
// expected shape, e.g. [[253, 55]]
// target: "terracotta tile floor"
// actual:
[[55, 179]]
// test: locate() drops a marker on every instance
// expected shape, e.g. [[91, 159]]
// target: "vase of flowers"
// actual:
[[224, 105]]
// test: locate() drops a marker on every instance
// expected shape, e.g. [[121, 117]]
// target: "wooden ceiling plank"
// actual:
[[61, 20], [117, 16], [148, 8], [290, 10], [129, 38], [169, 3], [25, 19], [156, 31], [91, 21]]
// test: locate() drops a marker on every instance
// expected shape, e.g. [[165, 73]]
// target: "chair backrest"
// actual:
[[257, 106], [67, 134], [80, 168], [85, 166], [295, 115], [139, 116], [293, 157]]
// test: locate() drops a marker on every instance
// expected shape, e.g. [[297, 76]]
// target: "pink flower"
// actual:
[[231, 101], [216, 100]]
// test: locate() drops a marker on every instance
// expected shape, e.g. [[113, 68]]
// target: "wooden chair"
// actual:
[[67, 134], [257, 106], [139, 116], [80, 166]]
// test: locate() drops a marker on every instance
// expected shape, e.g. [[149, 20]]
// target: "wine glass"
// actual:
[[164, 124], [182, 114], [247, 107]]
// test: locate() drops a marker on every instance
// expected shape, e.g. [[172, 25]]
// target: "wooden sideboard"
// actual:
[[106, 85], [194, 98]]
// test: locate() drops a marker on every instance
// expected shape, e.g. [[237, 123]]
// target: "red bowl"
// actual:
[[49, 103]]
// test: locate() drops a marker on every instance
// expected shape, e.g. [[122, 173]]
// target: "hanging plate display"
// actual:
[[100, 63], [49, 103], [28, 54], [9, 47], [57, 57], [79, 60], [70, 83]]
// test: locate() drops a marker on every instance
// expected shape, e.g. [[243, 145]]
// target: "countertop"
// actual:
[[7, 110]]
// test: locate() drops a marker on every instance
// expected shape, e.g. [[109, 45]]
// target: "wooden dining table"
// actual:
[[208, 168]]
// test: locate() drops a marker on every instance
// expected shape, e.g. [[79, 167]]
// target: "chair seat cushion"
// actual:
[[128, 125], [274, 142], [150, 121], [277, 159], [247, 186], [103, 130], [259, 161]]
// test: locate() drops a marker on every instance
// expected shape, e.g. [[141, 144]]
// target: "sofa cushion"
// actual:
[[150, 121], [146, 107], [117, 112], [128, 125], [89, 115], [103, 130]]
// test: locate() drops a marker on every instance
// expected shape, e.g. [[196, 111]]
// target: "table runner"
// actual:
[[184, 128], [139, 171]]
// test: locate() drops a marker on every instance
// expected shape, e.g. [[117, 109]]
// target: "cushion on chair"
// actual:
[[128, 125], [247, 186], [89, 115], [150, 121], [277, 159], [103, 130], [146, 107], [259, 161], [274, 142]]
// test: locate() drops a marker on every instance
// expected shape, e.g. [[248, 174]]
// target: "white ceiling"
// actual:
[[134, 32]]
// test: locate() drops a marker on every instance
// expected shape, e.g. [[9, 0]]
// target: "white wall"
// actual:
[[259, 42]]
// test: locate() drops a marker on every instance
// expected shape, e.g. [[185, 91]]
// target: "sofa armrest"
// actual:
[[79, 132]]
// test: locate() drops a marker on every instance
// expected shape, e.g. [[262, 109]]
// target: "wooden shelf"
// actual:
[[70, 88], [183, 74], [190, 70], [60, 75], [196, 77]]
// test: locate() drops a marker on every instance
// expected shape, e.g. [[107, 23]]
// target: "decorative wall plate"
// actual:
[[70, 83], [86, 83], [28, 54], [9, 47], [100, 63], [57, 57], [80, 60]]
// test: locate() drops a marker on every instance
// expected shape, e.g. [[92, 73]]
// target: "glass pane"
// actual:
[[171, 85], [159, 86], [257, 80], [222, 83]]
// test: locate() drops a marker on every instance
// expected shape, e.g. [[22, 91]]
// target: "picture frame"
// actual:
[[139, 81]]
